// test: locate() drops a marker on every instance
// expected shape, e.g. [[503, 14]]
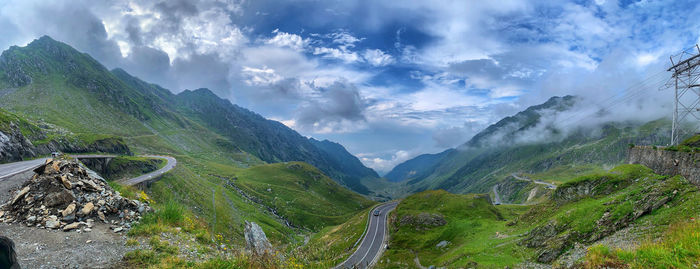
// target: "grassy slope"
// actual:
[[301, 193], [334, 244], [472, 223], [475, 170], [473, 226]]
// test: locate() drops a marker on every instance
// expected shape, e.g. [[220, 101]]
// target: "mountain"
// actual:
[[51, 83], [508, 147], [418, 167]]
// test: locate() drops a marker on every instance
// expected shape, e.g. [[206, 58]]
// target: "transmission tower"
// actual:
[[684, 80]]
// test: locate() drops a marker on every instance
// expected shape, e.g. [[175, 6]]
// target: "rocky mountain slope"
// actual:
[[49, 82]]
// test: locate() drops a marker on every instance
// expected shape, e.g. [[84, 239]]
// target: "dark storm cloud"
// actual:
[[202, 70], [338, 102]]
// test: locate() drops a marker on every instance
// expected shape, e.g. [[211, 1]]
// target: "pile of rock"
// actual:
[[64, 195]]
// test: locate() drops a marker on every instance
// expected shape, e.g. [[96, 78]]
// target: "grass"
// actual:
[[123, 167], [563, 173], [475, 230], [301, 193], [333, 244], [679, 248], [481, 235]]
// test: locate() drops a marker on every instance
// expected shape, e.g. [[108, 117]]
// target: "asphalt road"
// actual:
[[155, 174], [373, 242], [497, 198], [549, 185], [9, 169]]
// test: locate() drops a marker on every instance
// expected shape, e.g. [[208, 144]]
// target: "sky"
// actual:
[[387, 79]]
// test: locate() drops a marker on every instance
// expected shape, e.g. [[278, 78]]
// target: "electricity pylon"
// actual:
[[684, 80]]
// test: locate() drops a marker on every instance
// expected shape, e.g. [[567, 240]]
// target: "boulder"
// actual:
[[70, 209], [256, 240], [87, 209], [58, 198]]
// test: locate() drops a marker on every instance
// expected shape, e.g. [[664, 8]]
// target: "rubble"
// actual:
[[64, 195]]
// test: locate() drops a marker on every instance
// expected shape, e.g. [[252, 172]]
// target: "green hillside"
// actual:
[[493, 154], [301, 193], [443, 229]]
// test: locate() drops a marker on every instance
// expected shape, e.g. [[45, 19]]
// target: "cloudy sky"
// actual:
[[387, 79]]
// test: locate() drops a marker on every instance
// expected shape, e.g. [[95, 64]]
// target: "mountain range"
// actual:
[[70, 94], [507, 147]]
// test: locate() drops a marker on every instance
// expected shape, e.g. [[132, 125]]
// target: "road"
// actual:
[[374, 239], [10, 169], [549, 185], [171, 162], [497, 198]]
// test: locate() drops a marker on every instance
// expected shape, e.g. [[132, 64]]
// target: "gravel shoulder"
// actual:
[[45, 248]]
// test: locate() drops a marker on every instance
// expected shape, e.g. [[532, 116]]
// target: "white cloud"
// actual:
[[337, 53], [292, 41], [260, 76], [384, 165], [377, 57]]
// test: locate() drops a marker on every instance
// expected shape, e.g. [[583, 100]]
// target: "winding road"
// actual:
[[548, 185], [10, 169], [374, 241], [497, 197]]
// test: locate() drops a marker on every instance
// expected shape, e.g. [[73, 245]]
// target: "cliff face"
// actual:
[[14, 146], [666, 162]]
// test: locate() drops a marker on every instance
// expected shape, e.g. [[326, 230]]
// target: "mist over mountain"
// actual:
[[532, 140]]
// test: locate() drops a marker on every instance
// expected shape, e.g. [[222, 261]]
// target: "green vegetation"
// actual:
[[563, 173], [301, 193], [334, 244], [581, 211], [123, 167], [474, 230], [679, 248]]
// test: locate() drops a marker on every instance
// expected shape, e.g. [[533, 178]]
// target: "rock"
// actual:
[[69, 218], [256, 240], [442, 244], [423, 221], [70, 209], [58, 198], [62, 187], [87, 209], [91, 185], [52, 222], [118, 229], [71, 226], [66, 182], [21, 194], [88, 241]]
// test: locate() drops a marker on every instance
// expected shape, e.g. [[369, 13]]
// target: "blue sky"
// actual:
[[387, 79]]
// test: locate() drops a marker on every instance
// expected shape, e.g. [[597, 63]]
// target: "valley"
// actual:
[[95, 158]]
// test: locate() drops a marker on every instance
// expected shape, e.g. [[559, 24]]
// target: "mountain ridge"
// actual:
[[77, 92]]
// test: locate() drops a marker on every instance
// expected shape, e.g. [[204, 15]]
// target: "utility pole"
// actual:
[[684, 81]]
